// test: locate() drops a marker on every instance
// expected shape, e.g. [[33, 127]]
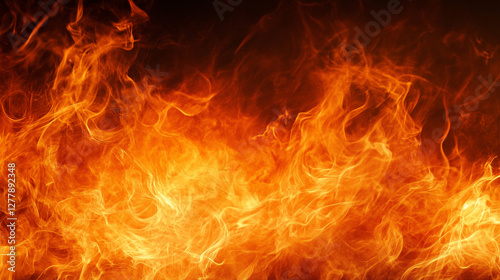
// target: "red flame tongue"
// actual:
[[295, 145]]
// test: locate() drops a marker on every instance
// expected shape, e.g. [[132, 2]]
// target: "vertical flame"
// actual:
[[128, 175]]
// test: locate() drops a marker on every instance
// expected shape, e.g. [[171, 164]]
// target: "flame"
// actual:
[[132, 172]]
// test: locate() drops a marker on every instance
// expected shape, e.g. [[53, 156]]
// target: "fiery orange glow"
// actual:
[[271, 156]]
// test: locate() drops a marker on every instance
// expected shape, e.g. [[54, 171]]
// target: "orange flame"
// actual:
[[364, 172]]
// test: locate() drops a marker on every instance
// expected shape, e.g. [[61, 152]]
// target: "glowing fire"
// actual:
[[125, 173]]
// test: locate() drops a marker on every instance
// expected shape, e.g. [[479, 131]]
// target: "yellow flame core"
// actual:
[[181, 187]]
